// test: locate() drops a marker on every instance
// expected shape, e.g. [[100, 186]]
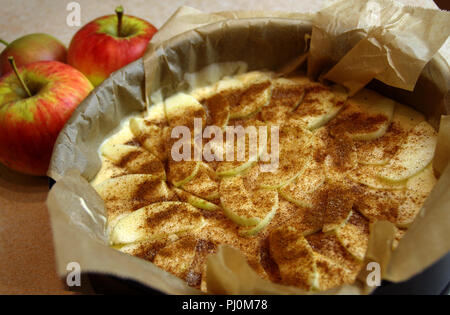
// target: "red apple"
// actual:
[[108, 44], [35, 103], [32, 48]]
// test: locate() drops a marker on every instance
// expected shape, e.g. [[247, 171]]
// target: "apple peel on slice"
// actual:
[[295, 147], [181, 109], [196, 201], [354, 235], [368, 175], [244, 206], [301, 190], [246, 94], [153, 137], [319, 105], [367, 116], [413, 155], [134, 159]]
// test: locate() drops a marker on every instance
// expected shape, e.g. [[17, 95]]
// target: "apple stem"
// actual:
[[4, 42], [22, 82], [119, 12]]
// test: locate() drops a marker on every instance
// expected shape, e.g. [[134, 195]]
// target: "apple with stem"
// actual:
[[108, 44], [35, 102], [31, 48]]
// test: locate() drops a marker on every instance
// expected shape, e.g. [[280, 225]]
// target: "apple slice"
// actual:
[[182, 172], [217, 109], [301, 190], [413, 155], [204, 184], [341, 158], [181, 109], [250, 155], [151, 136], [418, 188], [145, 249], [337, 205], [294, 256], [124, 194], [379, 151], [368, 175], [157, 221], [286, 96], [329, 252], [177, 257], [244, 205], [379, 204], [354, 235], [196, 201], [367, 116], [319, 105], [134, 159], [246, 94], [295, 147]]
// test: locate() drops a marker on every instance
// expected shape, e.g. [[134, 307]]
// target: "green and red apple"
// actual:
[[35, 103], [108, 44], [31, 48]]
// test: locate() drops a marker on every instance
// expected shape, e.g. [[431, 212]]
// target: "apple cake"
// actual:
[[342, 163]]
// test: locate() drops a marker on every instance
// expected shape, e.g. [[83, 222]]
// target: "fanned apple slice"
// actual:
[[244, 205], [205, 183], [337, 205], [368, 175], [294, 256], [379, 204], [379, 151], [236, 165], [326, 246], [418, 188], [157, 221], [153, 137], [295, 148], [286, 96], [319, 105], [107, 171], [217, 110], [146, 249], [354, 235], [181, 109], [177, 257], [182, 172], [134, 159], [413, 155], [127, 193], [341, 156], [367, 116], [196, 201], [246, 94], [301, 190]]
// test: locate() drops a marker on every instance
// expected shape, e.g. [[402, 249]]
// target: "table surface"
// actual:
[[27, 263]]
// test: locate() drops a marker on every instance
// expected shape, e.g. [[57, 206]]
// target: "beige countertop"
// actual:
[[26, 252]]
